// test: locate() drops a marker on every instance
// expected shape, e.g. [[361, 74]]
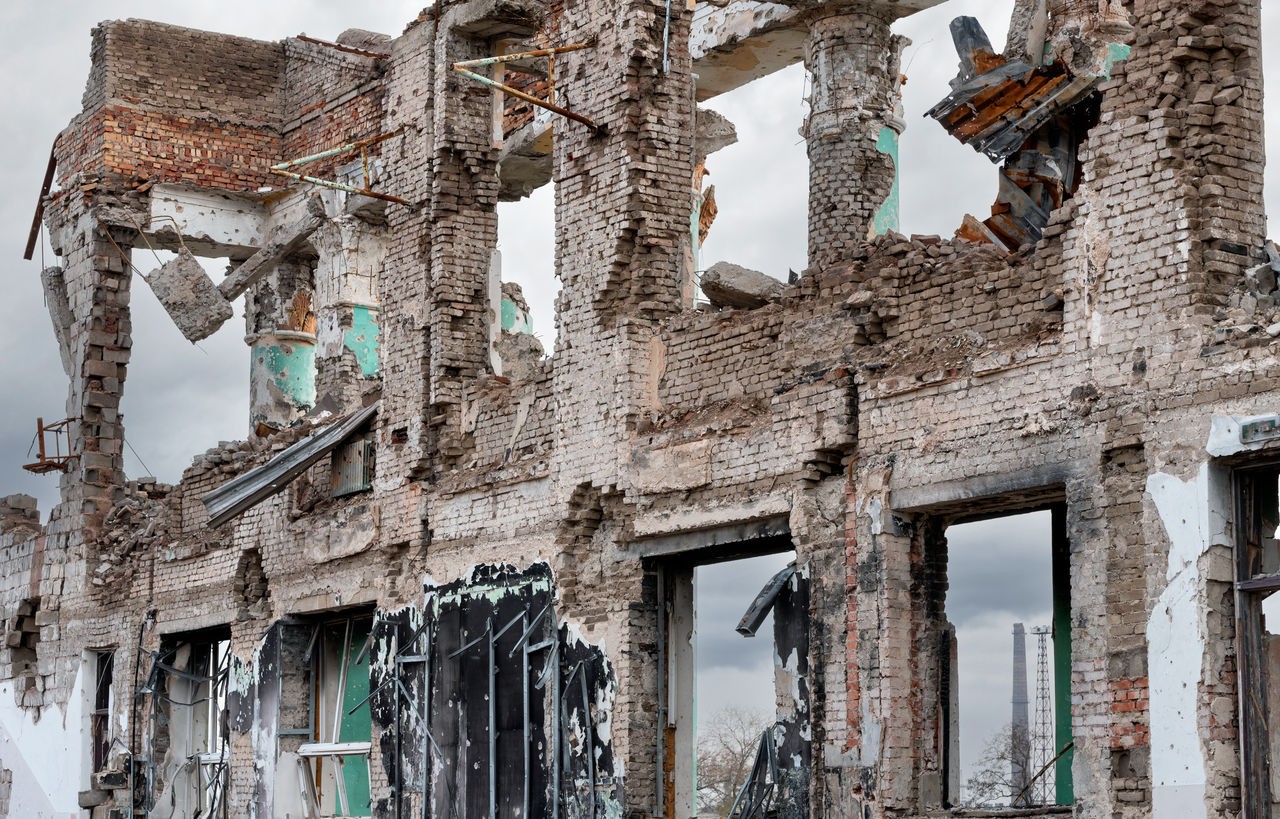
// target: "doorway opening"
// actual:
[[733, 682]]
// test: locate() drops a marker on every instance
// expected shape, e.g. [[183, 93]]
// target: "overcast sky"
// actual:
[[181, 399]]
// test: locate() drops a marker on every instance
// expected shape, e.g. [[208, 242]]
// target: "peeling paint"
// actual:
[[515, 320], [886, 218], [1113, 53], [285, 369], [362, 338]]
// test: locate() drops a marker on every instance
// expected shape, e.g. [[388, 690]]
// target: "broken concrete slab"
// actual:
[[729, 285], [281, 241], [55, 298], [712, 132], [190, 297]]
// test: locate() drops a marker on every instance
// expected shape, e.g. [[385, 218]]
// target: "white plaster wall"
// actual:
[[47, 756], [1192, 513]]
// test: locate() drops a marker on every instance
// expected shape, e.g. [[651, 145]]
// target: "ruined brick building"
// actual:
[[446, 576]]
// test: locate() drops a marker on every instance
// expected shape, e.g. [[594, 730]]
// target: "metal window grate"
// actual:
[[352, 467]]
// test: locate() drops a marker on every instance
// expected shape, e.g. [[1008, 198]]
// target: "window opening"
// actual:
[[352, 466], [100, 715], [524, 281], [333, 767], [179, 393], [1005, 627], [751, 153], [184, 698], [931, 159]]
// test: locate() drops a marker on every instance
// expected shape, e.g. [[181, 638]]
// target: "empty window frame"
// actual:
[[1258, 637], [1017, 750], [189, 682], [333, 766], [103, 664]]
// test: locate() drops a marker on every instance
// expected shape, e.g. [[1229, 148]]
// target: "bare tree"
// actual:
[[992, 783], [727, 746]]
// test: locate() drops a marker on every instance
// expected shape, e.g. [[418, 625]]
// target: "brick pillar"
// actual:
[[348, 329], [464, 217], [852, 128], [405, 281], [623, 193], [280, 328], [97, 279]]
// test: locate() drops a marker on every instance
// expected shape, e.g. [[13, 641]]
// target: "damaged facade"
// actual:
[[449, 576]]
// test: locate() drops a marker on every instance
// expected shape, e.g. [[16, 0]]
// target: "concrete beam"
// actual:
[[282, 241], [209, 222], [745, 40]]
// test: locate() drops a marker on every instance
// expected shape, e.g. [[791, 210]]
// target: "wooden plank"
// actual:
[[44, 191]]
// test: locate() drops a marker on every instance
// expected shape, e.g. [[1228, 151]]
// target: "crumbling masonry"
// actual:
[[448, 576]]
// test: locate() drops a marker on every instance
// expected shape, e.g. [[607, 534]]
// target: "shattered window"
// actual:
[[100, 716]]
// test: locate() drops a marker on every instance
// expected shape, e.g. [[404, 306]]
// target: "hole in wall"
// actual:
[[180, 398], [526, 242], [761, 181], [941, 179]]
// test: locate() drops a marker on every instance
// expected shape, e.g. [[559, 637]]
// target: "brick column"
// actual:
[[348, 330], [852, 128], [280, 328], [464, 217]]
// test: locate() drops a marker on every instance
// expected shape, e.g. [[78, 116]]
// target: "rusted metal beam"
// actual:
[[44, 191], [1268, 583], [358, 145], [338, 186], [465, 67], [59, 461], [340, 47], [362, 146]]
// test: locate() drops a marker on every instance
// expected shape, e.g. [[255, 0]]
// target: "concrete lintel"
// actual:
[[211, 223], [996, 493], [704, 539]]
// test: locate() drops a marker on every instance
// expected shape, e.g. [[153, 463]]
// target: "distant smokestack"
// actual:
[[1020, 739]]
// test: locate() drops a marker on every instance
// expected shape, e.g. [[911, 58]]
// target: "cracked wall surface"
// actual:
[[1116, 367]]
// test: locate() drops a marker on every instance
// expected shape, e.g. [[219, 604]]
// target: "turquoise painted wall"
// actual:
[[362, 339], [886, 218]]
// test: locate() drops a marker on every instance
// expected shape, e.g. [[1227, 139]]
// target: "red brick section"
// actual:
[[853, 689], [359, 118], [1129, 705]]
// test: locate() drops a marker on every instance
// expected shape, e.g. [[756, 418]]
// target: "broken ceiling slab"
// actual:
[[729, 285], [483, 19], [740, 41], [189, 296], [712, 132], [256, 485], [206, 222]]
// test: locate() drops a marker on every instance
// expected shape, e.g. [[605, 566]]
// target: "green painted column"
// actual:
[[282, 376], [1062, 654]]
